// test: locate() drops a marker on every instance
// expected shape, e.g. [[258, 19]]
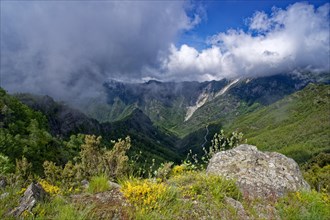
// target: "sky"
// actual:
[[70, 48]]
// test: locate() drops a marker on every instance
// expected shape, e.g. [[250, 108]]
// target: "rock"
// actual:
[[3, 183], [85, 183], [259, 174], [114, 185], [241, 214], [32, 195], [4, 195]]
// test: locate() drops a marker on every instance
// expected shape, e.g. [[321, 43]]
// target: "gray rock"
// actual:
[[3, 183], [32, 195], [259, 174], [114, 185], [241, 214], [4, 195], [85, 183]]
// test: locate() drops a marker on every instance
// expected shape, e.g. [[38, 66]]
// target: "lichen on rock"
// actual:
[[259, 174]]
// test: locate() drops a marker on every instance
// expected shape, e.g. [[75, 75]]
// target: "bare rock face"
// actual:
[[33, 194], [259, 174]]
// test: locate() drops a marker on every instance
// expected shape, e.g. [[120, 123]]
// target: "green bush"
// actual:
[[5, 165], [98, 184], [304, 206]]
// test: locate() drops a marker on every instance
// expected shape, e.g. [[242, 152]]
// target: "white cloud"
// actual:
[[287, 40]]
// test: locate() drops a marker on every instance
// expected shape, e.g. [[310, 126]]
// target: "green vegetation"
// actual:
[[24, 133], [58, 208], [192, 195], [304, 206], [316, 172], [5, 165], [297, 126], [98, 184]]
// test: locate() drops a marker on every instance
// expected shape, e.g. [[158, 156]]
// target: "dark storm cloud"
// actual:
[[66, 48]]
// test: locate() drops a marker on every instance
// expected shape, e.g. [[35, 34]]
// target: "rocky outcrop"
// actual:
[[259, 174], [32, 195]]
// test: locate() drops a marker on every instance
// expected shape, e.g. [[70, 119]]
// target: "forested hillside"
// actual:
[[297, 125]]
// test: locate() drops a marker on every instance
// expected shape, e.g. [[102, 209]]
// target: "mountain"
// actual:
[[185, 107], [297, 125], [167, 120], [64, 121]]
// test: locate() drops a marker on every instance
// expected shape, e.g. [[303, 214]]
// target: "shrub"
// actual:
[[178, 169], [49, 188], [147, 195], [52, 172], [164, 171], [116, 160], [94, 160], [98, 184], [23, 169], [222, 142], [5, 165]]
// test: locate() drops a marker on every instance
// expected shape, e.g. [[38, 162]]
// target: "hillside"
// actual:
[[65, 121], [297, 125], [60, 123]]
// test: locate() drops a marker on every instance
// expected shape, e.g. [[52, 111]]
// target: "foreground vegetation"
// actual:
[[179, 193], [168, 192]]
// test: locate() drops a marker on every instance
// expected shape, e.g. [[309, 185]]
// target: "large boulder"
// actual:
[[259, 174]]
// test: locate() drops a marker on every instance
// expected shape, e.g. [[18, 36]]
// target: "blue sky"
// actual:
[[222, 15], [68, 48]]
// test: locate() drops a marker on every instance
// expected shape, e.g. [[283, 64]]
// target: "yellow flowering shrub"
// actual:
[[147, 195], [178, 169], [49, 188]]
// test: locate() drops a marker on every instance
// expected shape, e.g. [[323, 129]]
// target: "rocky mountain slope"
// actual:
[[185, 107]]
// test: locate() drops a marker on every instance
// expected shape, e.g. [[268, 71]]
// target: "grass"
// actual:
[[98, 184], [304, 206], [58, 208], [8, 202]]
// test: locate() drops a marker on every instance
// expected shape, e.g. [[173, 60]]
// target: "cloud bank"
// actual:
[[294, 39], [67, 48]]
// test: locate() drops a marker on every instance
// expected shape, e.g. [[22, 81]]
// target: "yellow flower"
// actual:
[[49, 188], [144, 194]]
